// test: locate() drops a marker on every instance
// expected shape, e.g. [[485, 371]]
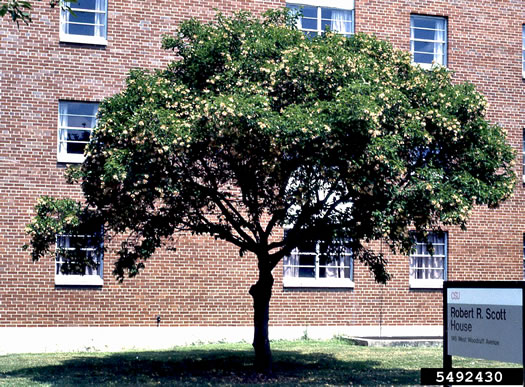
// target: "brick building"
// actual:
[[54, 71]]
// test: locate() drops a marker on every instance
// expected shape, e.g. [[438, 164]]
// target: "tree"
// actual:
[[19, 9], [257, 128]]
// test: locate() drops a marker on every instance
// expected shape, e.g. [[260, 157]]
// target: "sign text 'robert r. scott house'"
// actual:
[[55, 71]]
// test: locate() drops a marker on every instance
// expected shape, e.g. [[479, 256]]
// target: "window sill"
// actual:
[[428, 66], [318, 283], [79, 280], [83, 39], [426, 284], [70, 158], [342, 4]]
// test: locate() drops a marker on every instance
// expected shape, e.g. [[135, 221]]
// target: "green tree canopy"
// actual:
[[257, 127], [20, 10]]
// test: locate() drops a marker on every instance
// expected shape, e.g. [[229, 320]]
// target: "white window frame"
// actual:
[[62, 154], [421, 283], [84, 39], [95, 278], [443, 42], [318, 282], [343, 5]]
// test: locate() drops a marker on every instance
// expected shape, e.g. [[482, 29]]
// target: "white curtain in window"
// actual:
[[89, 269], [430, 268], [293, 270], [439, 45], [335, 271], [436, 261], [436, 268], [65, 17], [63, 109], [63, 242], [340, 21], [100, 18], [416, 266]]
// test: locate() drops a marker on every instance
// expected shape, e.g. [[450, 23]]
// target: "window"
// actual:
[[428, 40], [428, 269], [76, 121], [523, 50], [79, 274], [318, 15], [312, 265], [85, 23]]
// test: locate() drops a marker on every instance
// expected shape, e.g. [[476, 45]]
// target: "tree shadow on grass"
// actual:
[[207, 367]]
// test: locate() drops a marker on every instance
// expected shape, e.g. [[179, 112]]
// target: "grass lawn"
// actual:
[[334, 362]]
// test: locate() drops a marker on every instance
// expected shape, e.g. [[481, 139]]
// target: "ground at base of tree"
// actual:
[[304, 362]]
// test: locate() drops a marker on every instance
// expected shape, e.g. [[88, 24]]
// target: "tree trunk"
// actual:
[[261, 293]]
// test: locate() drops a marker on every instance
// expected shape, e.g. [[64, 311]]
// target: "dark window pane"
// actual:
[[81, 122], [307, 272], [82, 17], [307, 247], [439, 250], [76, 148], [78, 270], [326, 24], [85, 4], [424, 47], [310, 12], [309, 24], [82, 108], [424, 22], [61, 241], [80, 29], [424, 34], [307, 260], [423, 58], [78, 135]]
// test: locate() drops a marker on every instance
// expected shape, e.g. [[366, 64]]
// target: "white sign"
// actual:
[[485, 323]]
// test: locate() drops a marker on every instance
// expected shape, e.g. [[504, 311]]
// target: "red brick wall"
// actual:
[[205, 282]]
